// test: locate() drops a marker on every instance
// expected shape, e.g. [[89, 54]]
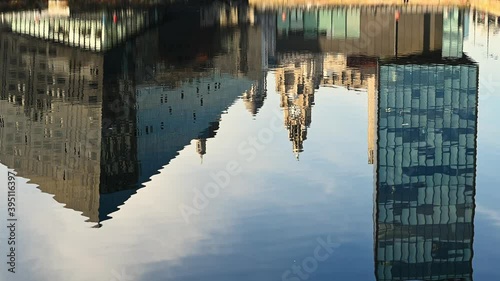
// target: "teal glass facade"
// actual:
[[335, 23], [453, 33], [426, 166]]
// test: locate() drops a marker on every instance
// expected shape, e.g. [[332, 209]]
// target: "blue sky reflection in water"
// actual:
[[348, 154]]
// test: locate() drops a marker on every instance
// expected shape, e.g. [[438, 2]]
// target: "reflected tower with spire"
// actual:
[[296, 81]]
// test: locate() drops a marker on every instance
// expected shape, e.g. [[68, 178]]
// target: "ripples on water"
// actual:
[[210, 110]]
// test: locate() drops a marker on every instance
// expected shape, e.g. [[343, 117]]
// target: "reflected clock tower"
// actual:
[[296, 82]]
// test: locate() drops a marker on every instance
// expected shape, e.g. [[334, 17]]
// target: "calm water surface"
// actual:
[[235, 143]]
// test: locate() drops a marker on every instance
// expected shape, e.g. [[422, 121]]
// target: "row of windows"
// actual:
[[150, 129], [57, 92]]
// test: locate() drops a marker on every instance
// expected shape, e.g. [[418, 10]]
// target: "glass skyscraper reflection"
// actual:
[[426, 167]]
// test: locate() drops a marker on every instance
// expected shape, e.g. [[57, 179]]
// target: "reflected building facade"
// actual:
[[422, 110], [136, 115], [226, 14], [482, 30], [453, 33], [95, 31], [347, 44], [174, 114], [425, 169], [91, 131], [51, 111], [298, 76], [366, 31], [254, 97], [425, 160], [296, 81]]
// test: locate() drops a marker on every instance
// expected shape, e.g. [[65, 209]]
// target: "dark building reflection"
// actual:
[[90, 128], [426, 163]]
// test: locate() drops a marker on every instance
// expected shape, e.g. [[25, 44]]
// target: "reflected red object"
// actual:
[[283, 16], [396, 15], [200, 58], [115, 18]]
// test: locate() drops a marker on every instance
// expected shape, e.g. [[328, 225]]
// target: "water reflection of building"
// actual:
[[91, 128], [300, 74], [426, 168], [97, 31], [51, 107], [423, 139], [174, 114], [453, 33], [226, 14], [482, 30], [355, 73], [267, 22], [360, 31], [255, 96], [352, 40], [296, 81]]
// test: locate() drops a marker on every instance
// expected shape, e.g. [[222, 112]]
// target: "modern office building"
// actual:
[[425, 169]]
